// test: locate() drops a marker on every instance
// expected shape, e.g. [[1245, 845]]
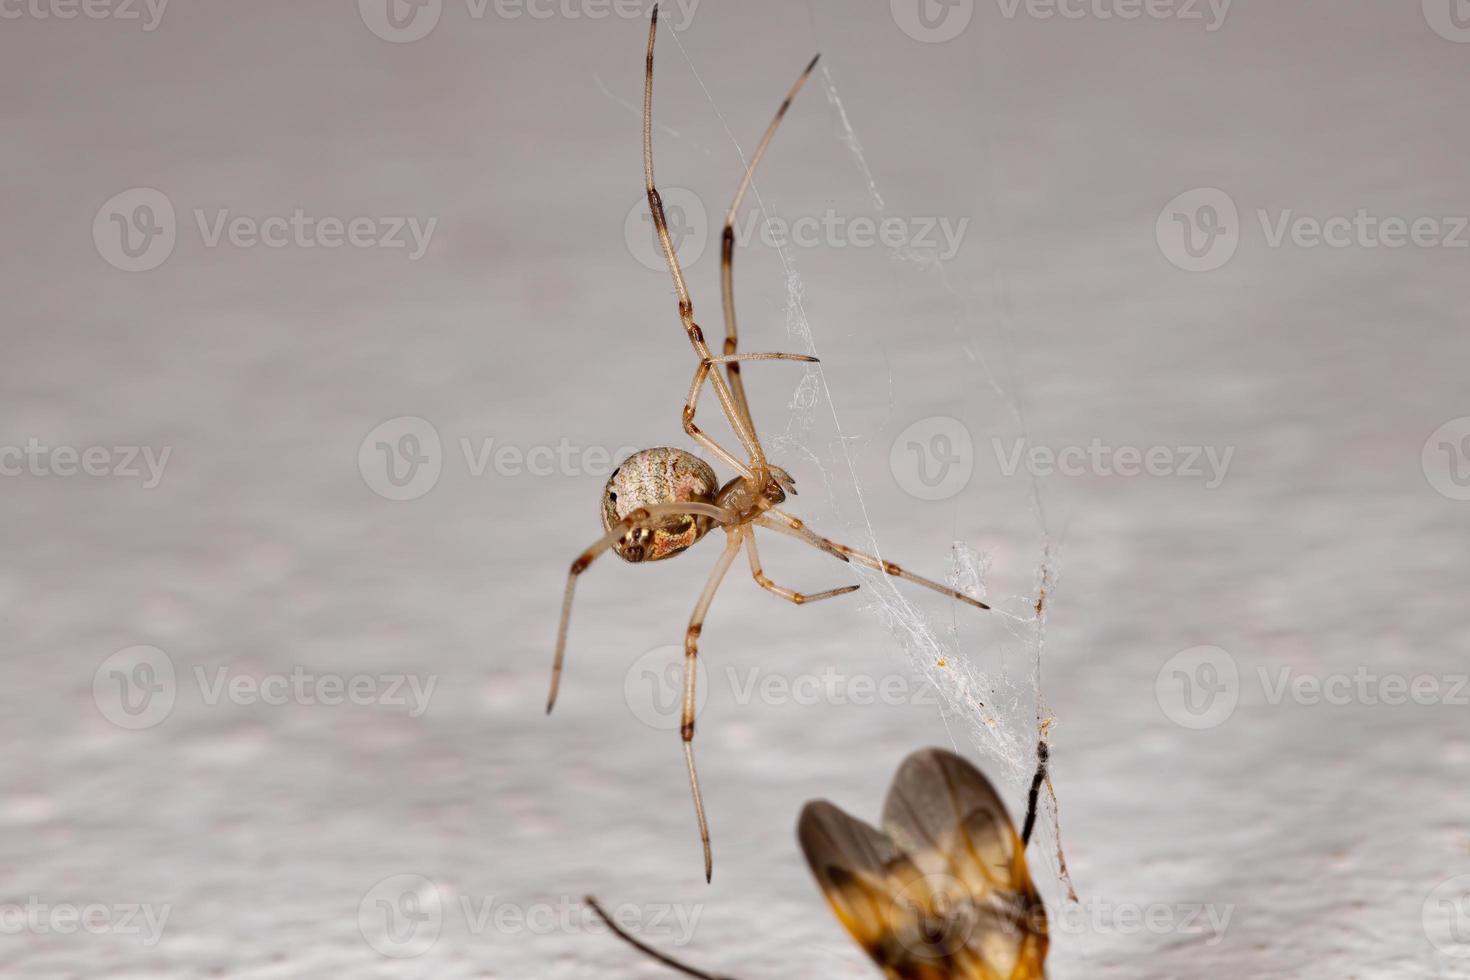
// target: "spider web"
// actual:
[[990, 684]]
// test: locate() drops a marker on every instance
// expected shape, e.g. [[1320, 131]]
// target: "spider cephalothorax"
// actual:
[[659, 502], [736, 496]]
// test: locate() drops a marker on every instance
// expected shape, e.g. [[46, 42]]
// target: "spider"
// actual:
[[659, 502]]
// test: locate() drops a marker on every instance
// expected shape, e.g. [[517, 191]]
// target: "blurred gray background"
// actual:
[[273, 707]]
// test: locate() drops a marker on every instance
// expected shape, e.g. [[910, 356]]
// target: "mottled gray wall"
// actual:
[[253, 247]]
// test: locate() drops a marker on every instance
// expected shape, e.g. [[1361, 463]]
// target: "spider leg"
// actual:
[[797, 598], [701, 374], [756, 471], [691, 655], [732, 358], [704, 372], [727, 249], [784, 525], [789, 524], [606, 541]]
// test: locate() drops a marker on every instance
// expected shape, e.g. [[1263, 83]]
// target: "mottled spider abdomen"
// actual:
[[658, 476]]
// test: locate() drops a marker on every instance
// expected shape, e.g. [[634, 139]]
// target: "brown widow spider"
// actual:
[[659, 502]]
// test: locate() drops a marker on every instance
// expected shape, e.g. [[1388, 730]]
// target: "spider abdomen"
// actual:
[[658, 476]]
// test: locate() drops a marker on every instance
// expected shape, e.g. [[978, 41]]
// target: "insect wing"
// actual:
[[851, 862], [943, 892], [974, 901]]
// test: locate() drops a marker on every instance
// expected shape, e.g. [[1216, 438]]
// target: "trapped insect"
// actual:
[[659, 502], [942, 892]]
